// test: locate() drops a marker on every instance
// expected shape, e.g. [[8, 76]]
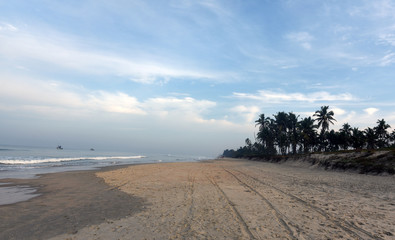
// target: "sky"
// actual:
[[186, 76]]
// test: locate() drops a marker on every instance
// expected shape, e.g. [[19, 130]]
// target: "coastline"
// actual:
[[67, 202], [216, 199]]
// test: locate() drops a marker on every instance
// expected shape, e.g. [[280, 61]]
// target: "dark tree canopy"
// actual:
[[285, 133]]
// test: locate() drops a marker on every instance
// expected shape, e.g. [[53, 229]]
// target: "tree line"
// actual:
[[285, 134]]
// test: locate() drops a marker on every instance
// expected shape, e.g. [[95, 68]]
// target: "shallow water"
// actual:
[[14, 194]]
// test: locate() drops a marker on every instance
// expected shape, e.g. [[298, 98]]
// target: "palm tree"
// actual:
[[293, 130], [333, 140], [381, 133], [392, 138], [266, 135], [370, 136], [262, 122], [324, 118], [248, 144], [307, 133], [357, 139], [345, 136], [281, 131], [267, 139]]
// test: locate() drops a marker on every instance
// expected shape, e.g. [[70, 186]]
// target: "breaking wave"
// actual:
[[54, 160]]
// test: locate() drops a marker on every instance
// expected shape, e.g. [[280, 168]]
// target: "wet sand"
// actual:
[[67, 202], [220, 199]]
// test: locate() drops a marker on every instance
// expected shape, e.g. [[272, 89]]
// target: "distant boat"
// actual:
[[59, 147], [92, 149]]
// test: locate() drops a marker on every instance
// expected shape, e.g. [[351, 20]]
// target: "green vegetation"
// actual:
[[285, 135]]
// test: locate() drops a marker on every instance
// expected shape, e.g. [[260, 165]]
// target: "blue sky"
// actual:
[[188, 76]]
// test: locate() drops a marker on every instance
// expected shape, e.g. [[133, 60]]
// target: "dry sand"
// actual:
[[236, 199], [219, 199]]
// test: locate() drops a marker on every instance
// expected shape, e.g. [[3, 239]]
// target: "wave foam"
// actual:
[[53, 160]]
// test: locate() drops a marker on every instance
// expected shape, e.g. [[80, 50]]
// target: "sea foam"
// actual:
[[52, 160]]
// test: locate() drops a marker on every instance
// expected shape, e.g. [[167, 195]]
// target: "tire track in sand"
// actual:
[[354, 231], [231, 205], [279, 216], [184, 226]]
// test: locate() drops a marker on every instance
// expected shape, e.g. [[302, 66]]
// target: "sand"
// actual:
[[67, 202], [239, 199]]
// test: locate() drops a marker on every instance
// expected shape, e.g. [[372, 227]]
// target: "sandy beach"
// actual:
[[68, 201], [218, 199]]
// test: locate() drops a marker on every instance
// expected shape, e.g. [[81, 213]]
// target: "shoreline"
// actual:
[[67, 202], [211, 199], [21, 189]]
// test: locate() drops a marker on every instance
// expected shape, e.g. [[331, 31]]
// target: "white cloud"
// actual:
[[303, 38], [63, 52], [387, 59], [360, 118], [182, 108], [50, 97], [345, 118], [7, 27], [18, 91], [54, 96], [289, 66], [116, 103], [387, 38], [323, 86], [108, 114], [215, 8], [374, 9], [249, 113], [338, 111], [278, 97], [371, 111]]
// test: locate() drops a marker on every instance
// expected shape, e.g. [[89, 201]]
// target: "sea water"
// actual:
[[27, 162]]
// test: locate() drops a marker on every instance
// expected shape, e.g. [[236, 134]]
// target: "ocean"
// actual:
[[27, 162]]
